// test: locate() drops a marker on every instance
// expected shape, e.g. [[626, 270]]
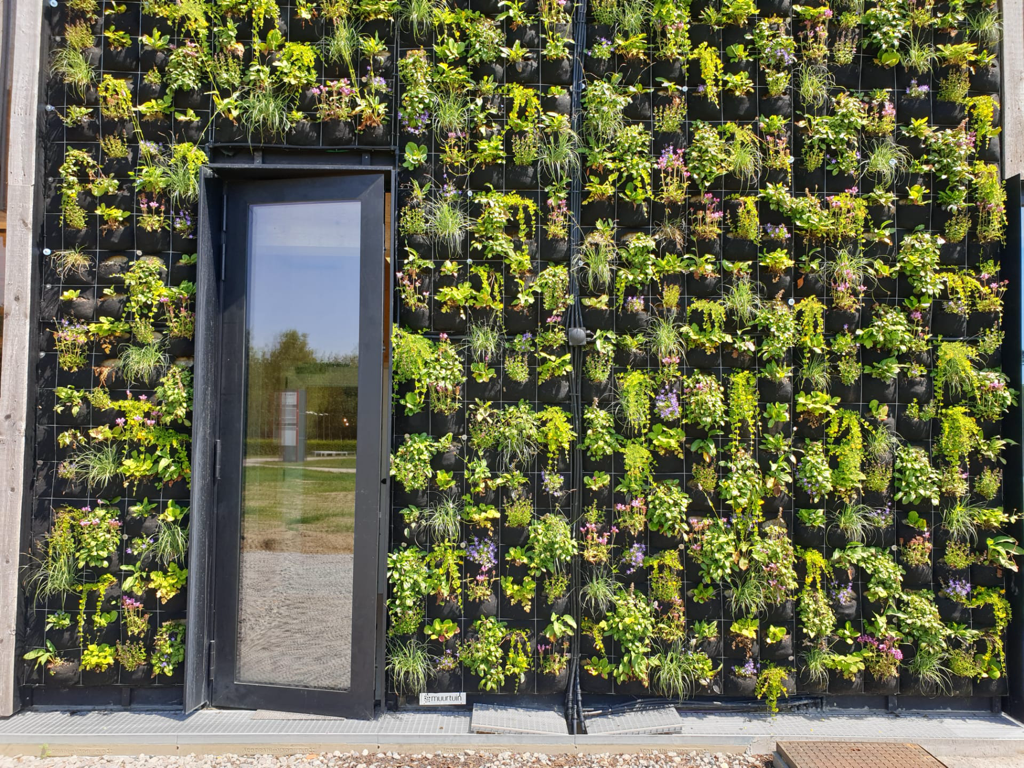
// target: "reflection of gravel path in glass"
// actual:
[[295, 620]]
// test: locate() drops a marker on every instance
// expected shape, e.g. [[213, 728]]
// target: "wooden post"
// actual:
[[17, 387], [1012, 106]]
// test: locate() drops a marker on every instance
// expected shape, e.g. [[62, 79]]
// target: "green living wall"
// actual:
[[770, 464]]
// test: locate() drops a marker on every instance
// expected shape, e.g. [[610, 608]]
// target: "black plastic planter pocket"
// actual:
[[556, 72], [947, 113], [521, 176], [554, 390], [123, 59], [376, 135], [304, 133], [522, 72], [877, 389], [912, 109], [987, 576], [484, 390], [450, 322], [548, 684], [740, 685], [702, 108], [782, 651], [887, 686], [777, 105], [738, 108], [949, 324], [986, 79], [560, 104], [912, 216], [840, 685], [485, 176], [915, 430], [338, 133]]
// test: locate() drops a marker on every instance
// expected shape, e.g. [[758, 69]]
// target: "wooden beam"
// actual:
[[17, 395], [1012, 106]]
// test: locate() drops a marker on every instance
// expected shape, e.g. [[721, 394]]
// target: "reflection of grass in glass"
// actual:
[[298, 509], [315, 463]]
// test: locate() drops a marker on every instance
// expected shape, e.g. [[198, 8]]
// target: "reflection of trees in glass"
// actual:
[[330, 382]]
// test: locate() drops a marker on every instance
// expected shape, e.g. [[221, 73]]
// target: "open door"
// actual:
[[298, 468]]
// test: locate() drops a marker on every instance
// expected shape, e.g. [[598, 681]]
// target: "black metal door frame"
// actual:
[[220, 379]]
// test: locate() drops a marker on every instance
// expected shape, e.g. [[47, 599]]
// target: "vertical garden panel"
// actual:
[[697, 336]]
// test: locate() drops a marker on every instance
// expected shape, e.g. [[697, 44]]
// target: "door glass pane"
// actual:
[[298, 487]]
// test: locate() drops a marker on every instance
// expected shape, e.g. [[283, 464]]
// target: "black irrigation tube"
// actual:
[[574, 322]]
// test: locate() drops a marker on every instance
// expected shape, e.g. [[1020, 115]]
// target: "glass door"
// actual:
[[298, 496]]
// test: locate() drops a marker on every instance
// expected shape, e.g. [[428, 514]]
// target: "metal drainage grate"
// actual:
[[660, 720], [488, 718], [856, 754]]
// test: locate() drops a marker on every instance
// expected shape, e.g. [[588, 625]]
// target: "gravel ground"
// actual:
[[366, 759]]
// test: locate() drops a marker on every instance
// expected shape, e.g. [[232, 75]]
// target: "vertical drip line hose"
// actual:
[[574, 319]]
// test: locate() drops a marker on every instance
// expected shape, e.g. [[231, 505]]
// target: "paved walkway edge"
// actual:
[[287, 745]]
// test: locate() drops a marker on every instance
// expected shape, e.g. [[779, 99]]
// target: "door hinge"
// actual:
[[211, 658], [216, 459]]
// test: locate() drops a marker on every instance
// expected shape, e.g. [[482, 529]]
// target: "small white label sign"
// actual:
[[442, 699]]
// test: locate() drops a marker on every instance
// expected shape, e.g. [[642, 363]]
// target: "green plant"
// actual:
[[631, 624], [168, 648], [168, 582], [771, 683], [139, 364], [410, 665], [680, 672], [97, 657]]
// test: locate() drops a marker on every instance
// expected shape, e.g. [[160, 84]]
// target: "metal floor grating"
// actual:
[[743, 729], [226, 723], [489, 718], [940, 725], [661, 720]]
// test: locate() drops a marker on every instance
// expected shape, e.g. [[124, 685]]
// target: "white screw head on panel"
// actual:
[[47, 251], [53, 3]]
